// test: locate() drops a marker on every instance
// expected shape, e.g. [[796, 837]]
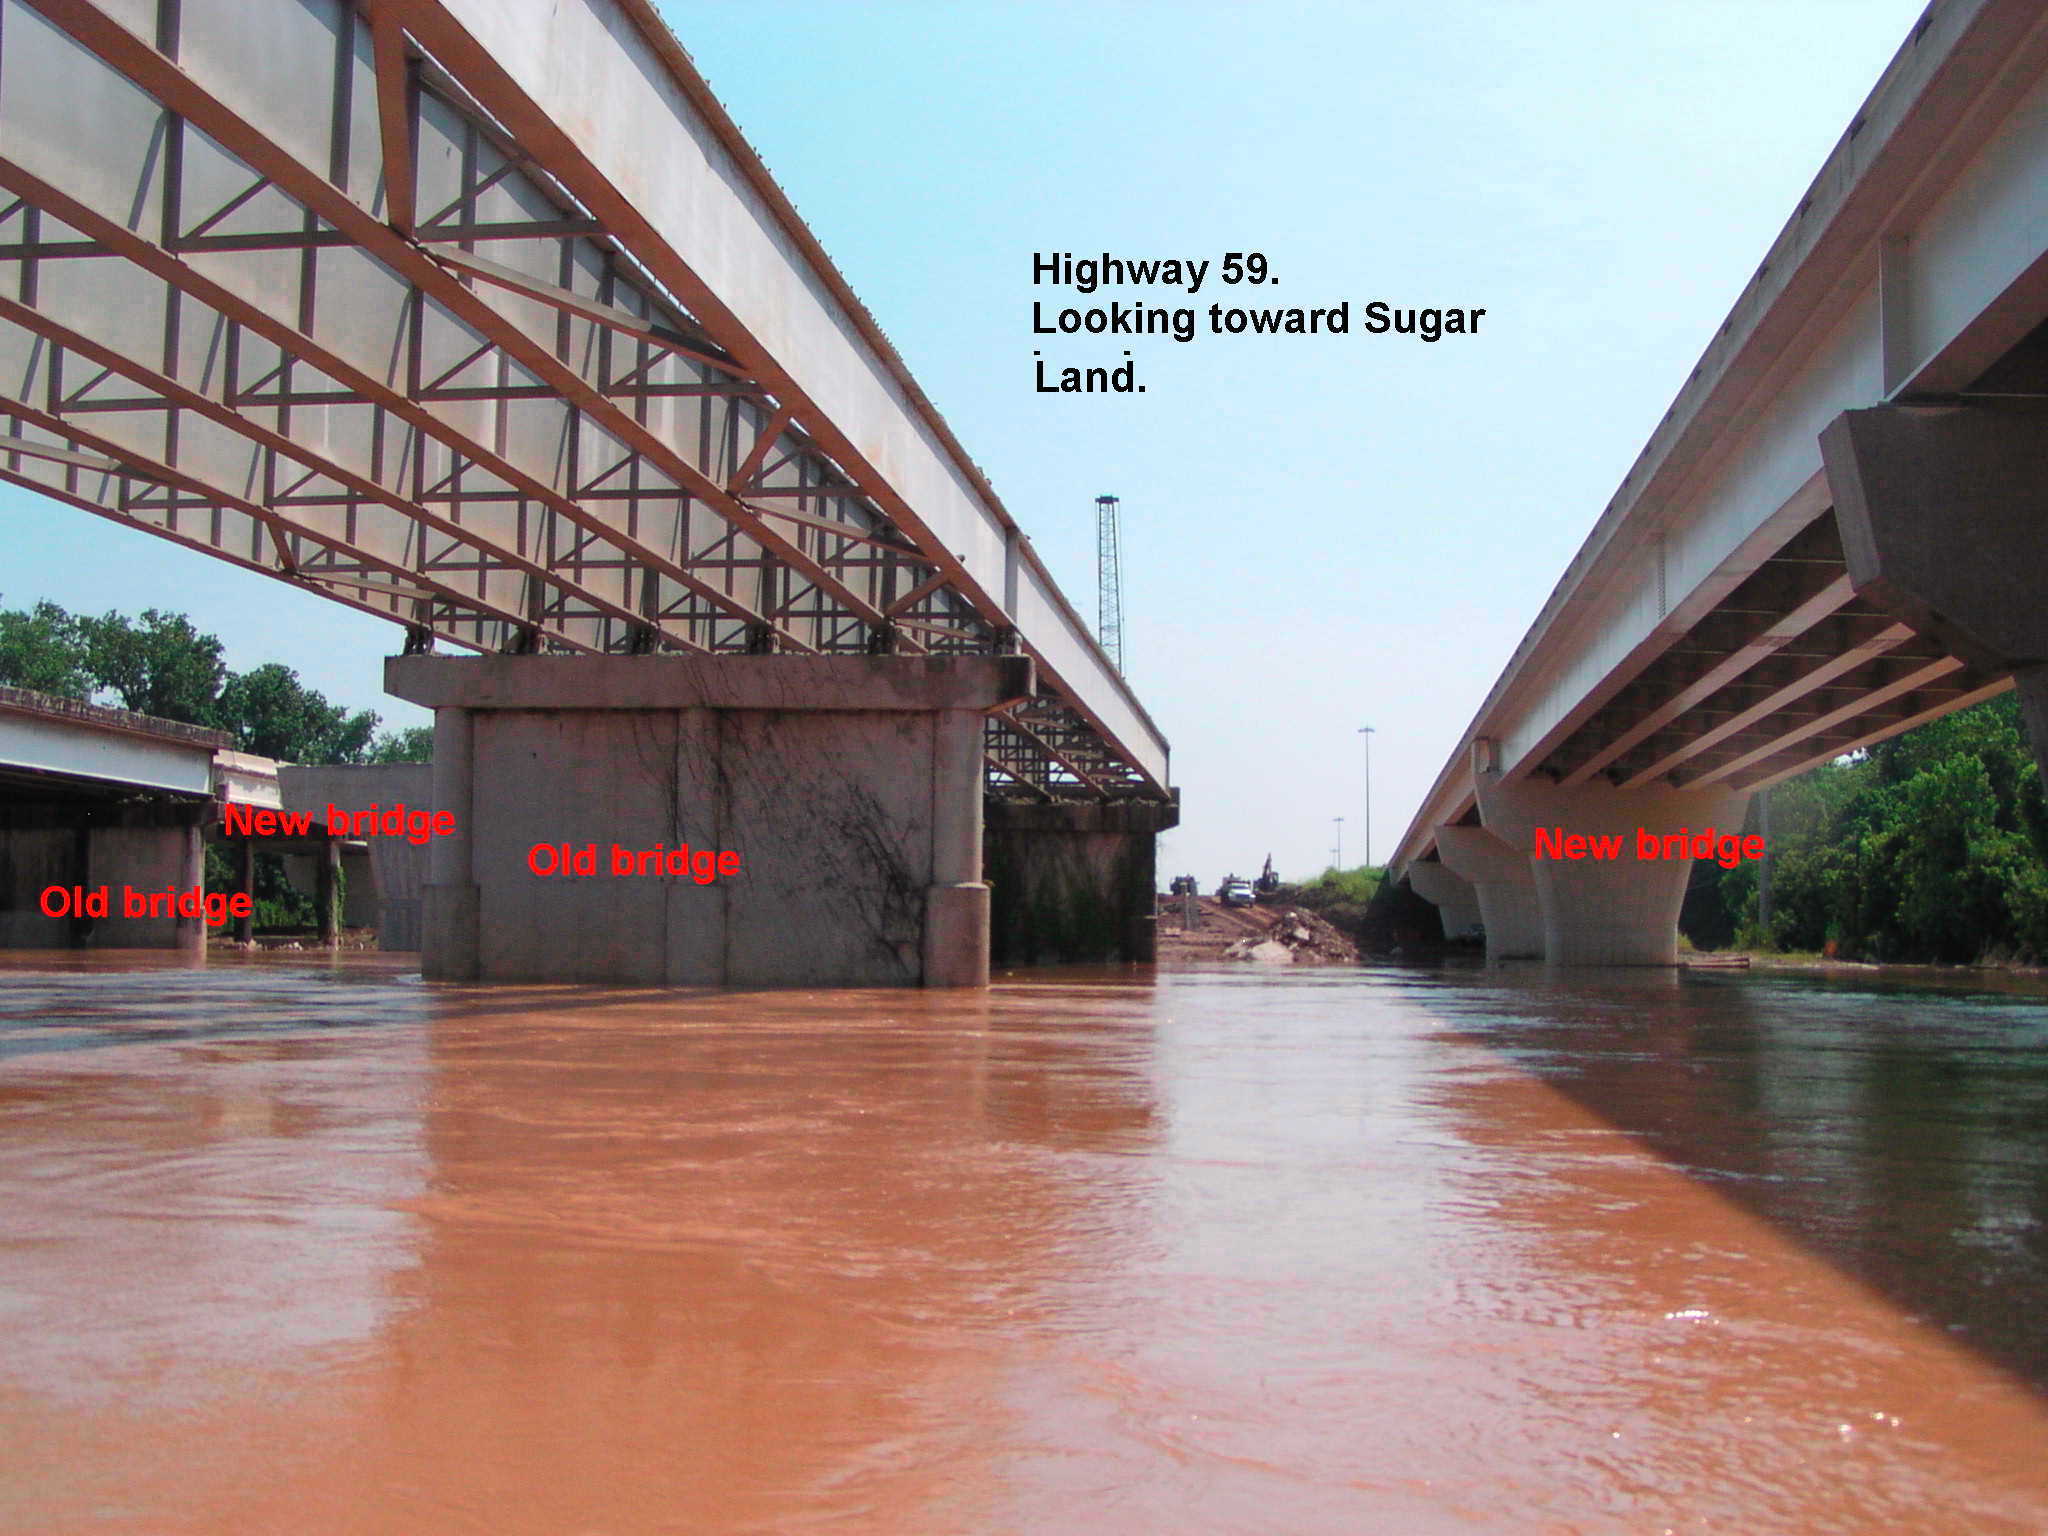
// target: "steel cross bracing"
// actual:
[[392, 360]]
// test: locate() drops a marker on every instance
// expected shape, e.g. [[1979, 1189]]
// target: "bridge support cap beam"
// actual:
[[1617, 907], [1944, 519]]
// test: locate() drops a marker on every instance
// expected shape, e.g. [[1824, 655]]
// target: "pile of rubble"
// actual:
[[1295, 938]]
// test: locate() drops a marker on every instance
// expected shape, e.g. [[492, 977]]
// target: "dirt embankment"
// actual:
[[1261, 935]]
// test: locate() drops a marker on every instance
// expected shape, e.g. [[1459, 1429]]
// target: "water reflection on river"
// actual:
[[319, 1249]]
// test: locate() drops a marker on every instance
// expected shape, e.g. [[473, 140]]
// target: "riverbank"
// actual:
[[1280, 935], [1985, 974]]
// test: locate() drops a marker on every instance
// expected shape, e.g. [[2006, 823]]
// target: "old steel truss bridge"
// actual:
[[483, 318]]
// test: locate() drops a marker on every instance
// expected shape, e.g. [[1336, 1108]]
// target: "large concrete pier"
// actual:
[[847, 789], [1075, 882]]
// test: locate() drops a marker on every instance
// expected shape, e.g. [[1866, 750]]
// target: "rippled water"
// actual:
[[304, 1248]]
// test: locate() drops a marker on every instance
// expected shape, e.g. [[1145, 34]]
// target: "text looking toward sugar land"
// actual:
[[1242, 285]]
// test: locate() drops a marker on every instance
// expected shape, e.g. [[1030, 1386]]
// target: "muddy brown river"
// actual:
[[296, 1247]]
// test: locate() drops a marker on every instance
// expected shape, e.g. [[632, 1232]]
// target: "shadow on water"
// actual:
[[1896, 1128]]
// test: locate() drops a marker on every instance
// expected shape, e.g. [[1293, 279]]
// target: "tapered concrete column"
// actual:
[[449, 903], [1456, 902], [1944, 519], [956, 904], [1506, 890], [1617, 909]]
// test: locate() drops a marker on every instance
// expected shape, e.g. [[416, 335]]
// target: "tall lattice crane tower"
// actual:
[[1109, 579]]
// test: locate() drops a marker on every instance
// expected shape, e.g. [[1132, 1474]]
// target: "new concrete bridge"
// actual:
[[1838, 531], [483, 318]]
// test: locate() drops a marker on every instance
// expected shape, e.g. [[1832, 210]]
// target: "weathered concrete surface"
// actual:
[[92, 796], [1620, 911], [1453, 896], [359, 904], [1072, 882], [1944, 519], [867, 684], [383, 886], [91, 744], [849, 787], [148, 846], [1506, 890]]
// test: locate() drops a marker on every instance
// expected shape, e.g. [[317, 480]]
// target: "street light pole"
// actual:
[[1366, 732], [1340, 843]]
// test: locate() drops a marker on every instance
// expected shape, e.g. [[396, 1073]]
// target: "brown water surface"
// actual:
[[304, 1247]]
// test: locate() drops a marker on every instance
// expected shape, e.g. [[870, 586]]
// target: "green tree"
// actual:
[[158, 664], [43, 648], [414, 744], [1936, 872], [273, 714], [1931, 847]]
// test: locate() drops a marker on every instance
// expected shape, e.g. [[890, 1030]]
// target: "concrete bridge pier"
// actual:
[[709, 820], [1944, 518], [1074, 883], [1455, 898], [384, 887], [1502, 885], [151, 845], [450, 901], [1619, 909]]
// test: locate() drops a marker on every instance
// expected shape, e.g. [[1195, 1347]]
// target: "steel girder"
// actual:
[[385, 356]]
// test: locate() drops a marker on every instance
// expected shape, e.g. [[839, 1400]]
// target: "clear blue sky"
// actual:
[[1320, 533]]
